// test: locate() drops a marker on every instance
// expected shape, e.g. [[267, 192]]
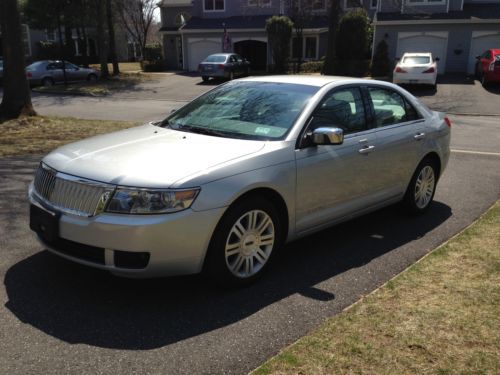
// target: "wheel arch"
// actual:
[[274, 197]]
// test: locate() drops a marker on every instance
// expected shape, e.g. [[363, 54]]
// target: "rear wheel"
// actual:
[[484, 81], [231, 75], [47, 82], [422, 187], [244, 242]]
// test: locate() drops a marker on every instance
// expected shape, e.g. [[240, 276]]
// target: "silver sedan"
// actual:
[[50, 72], [223, 182]]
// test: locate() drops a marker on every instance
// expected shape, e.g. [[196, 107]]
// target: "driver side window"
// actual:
[[341, 108]]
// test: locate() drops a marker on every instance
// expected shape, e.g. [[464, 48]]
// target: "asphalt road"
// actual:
[[59, 317], [153, 100]]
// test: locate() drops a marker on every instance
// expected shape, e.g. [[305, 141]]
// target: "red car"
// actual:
[[488, 66]]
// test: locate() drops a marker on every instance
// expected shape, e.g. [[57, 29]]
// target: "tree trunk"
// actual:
[[101, 38], [61, 48], [111, 34], [329, 66], [16, 99]]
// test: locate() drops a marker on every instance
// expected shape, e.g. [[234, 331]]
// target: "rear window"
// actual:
[[216, 59], [416, 60]]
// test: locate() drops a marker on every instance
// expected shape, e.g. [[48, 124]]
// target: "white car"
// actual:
[[416, 68]]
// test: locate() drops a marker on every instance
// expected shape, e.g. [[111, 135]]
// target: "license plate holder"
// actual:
[[44, 223]]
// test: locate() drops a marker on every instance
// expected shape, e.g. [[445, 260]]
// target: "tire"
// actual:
[[231, 75], [205, 78], [422, 187], [47, 82], [240, 252], [92, 78], [484, 81]]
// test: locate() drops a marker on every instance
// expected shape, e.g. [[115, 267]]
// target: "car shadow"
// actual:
[[78, 304]]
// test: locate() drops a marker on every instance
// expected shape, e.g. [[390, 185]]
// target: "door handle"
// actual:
[[366, 150], [419, 136]]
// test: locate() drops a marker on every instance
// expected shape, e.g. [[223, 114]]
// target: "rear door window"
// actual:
[[390, 107]]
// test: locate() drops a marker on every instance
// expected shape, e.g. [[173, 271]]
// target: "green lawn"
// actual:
[[441, 316]]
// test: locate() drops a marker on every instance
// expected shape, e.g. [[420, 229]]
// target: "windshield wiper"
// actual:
[[199, 130]]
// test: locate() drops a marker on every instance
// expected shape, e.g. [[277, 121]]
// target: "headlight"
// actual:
[[144, 201]]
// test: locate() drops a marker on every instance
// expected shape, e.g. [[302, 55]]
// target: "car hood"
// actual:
[[147, 156]]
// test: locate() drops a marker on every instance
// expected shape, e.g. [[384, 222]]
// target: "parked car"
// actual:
[[227, 179], [224, 65], [488, 66], [416, 68], [50, 72]]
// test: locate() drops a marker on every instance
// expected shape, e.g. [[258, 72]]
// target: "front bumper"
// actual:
[[176, 243]]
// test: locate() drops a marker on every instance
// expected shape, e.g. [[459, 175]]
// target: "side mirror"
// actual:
[[436, 59], [327, 136]]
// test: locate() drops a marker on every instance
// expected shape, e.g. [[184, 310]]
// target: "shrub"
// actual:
[[279, 30], [312, 66], [353, 37], [153, 52], [153, 66], [353, 41], [381, 65]]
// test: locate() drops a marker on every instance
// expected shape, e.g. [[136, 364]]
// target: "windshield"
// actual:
[[416, 60], [248, 110], [216, 59]]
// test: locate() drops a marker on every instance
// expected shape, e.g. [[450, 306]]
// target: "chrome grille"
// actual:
[[71, 194]]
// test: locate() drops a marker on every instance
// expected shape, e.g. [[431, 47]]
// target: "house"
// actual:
[[194, 29], [455, 31]]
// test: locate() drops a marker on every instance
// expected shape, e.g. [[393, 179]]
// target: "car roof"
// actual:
[[310, 80]]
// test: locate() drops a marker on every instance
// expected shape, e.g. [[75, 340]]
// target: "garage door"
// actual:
[[198, 49], [480, 42], [433, 42]]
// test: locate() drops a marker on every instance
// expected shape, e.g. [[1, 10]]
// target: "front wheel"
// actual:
[[244, 243], [422, 187]]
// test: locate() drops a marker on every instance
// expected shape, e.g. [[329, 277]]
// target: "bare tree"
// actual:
[[16, 99], [329, 67], [137, 17], [111, 37], [301, 13], [100, 7]]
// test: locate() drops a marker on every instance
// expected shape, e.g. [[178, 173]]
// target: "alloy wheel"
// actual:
[[249, 243], [424, 187]]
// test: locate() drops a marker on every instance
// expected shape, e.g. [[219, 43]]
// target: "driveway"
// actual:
[[153, 100], [460, 95], [59, 317]]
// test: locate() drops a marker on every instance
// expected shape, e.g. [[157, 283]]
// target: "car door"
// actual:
[[334, 180], [54, 70], [400, 134], [73, 72]]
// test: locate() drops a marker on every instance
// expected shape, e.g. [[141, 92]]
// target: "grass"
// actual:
[[441, 316], [122, 82], [32, 135]]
